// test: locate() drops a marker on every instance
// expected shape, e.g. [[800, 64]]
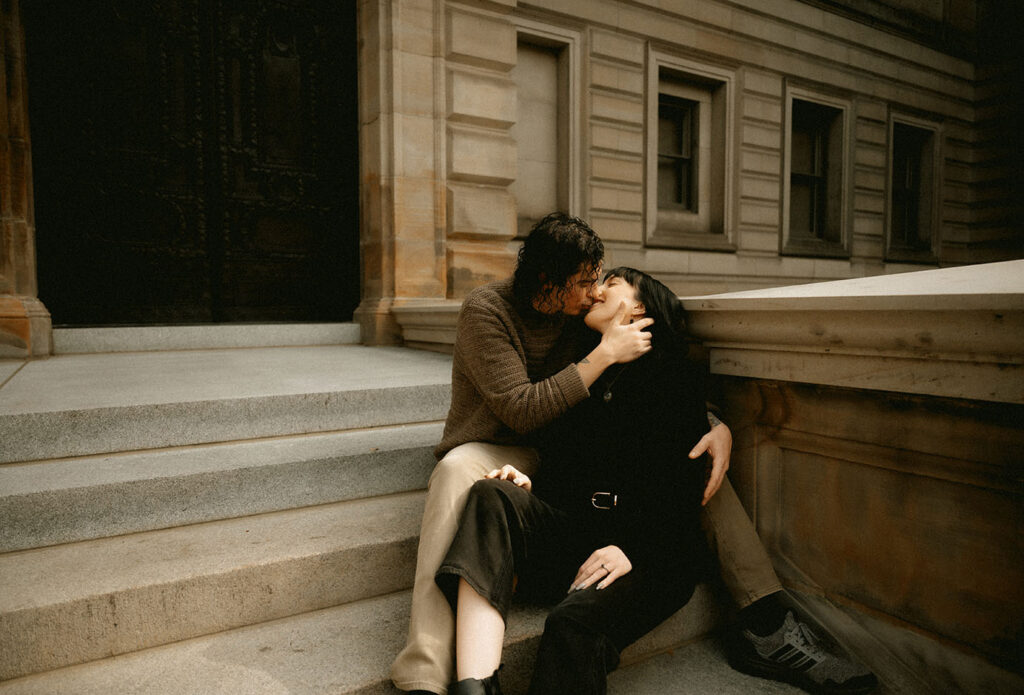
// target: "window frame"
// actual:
[[568, 43], [903, 254], [709, 228], [790, 245], [688, 157]]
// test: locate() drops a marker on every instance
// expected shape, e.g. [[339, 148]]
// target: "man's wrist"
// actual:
[[713, 420], [599, 357]]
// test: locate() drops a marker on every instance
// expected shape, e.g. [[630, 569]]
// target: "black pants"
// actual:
[[507, 532]]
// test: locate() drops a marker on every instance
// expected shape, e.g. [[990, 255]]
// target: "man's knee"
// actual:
[[457, 470]]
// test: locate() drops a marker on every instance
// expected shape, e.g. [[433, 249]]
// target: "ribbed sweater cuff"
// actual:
[[570, 383]]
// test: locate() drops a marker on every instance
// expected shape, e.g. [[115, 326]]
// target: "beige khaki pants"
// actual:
[[426, 663]]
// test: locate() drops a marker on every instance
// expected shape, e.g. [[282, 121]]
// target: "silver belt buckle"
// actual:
[[608, 499]]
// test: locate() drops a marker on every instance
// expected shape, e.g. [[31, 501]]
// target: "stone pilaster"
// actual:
[[401, 199], [24, 321]]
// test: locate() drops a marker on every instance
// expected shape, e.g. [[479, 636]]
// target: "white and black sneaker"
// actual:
[[793, 654]]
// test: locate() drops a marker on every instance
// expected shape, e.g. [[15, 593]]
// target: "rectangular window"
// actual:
[[687, 155], [815, 203], [911, 191], [678, 121]]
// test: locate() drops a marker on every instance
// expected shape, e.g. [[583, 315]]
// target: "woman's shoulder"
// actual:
[[671, 361]]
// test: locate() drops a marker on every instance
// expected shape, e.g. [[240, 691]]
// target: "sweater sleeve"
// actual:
[[496, 367]]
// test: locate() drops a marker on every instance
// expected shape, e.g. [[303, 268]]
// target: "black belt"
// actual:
[[604, 500]]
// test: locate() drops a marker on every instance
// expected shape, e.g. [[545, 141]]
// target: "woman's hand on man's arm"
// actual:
[[718, 443], [507, 472]]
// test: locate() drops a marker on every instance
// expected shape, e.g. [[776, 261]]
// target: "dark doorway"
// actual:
[[194, 160]]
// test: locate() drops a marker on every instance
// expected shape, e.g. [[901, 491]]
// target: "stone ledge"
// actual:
[[953, 332]]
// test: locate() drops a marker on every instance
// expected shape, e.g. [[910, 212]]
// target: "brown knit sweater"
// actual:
[[512, 370]]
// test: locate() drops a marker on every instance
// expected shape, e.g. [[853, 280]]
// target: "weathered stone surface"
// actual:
[[25, 329], [75, 405], [138, 338], [69, 500], [953, 332], [479, 155], [899, 492], [482, 40], [345, 650], [84, 601]]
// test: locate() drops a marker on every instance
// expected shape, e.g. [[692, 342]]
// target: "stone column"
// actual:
[[25, 329], [401, 200]]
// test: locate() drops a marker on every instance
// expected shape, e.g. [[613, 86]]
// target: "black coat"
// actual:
[[631, 438]]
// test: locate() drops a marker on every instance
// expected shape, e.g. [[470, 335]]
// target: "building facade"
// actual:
[[719, 145]]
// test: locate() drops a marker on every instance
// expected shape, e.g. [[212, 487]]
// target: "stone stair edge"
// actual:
[[83, 601], [68, 500], [290, 448], [73, 433], [343, 650], [79, 340]]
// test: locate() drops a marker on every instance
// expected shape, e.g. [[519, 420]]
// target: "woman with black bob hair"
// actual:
[[610, 532]]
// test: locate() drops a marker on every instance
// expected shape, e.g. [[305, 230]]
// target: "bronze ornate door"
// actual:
[[194, 160]]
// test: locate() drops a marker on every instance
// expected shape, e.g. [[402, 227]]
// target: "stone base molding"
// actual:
[[25, 328], [428, 324]]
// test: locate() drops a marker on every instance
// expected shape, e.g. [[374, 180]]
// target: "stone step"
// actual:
[[75, 603], [77, 405], [697, 667], [69, 500], [201, 337], [345, 650]]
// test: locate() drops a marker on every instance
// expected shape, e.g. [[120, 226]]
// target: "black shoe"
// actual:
[[476, 686], [792, 654]]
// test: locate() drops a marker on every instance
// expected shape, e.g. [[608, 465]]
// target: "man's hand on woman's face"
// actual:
[[627, 341], [510, 473], [605, 564]]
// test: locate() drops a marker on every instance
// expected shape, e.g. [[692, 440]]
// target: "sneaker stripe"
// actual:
[[796, 660], [786, 650], [804, 664]]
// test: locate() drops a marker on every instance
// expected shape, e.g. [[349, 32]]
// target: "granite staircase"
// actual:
[[237, 514]]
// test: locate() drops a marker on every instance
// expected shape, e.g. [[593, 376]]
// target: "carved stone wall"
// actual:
[[879, 424]]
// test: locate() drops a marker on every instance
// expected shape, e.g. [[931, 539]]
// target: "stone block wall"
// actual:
[[440, 213]]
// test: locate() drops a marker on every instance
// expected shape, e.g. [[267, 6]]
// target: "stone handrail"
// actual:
[[954, 332]]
